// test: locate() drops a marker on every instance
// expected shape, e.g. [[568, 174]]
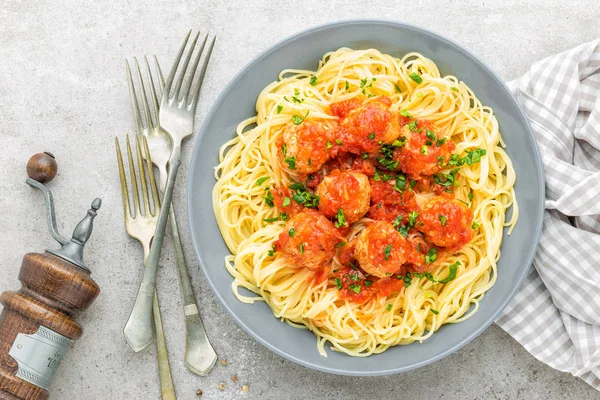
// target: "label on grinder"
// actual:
[[38, 355]]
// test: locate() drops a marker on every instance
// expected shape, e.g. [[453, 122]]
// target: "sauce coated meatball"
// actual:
[[423, 153], [381, 251], [348, 191], [366, 127], [446, 223], [308, 240], [303, 147]]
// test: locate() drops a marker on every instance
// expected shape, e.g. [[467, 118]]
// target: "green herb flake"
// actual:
[[338, 283], [436, 312], [284, 149], [440, 142], [412, 183], [363, 82], [271, 219], [415, 77], [405, 113], [454, 88], [355, 288], [328, 145], [470, 196], [397, 88], [412, 218], [371, 135], [262, 180], [347, 85], [269, 199], [451, 273], [279, 108], [431, 256], [286, 202], [389, 307], [341, 219], [340, 244], [272, 252], [365, 156], [398, 220], [297, 120], [443, 220], [292, 231], [368, 283], [301, 247], [400, 182], [291, 162], [475, 226], [386, 251], [424, 149], [413, 126], [338, 141], [313, 81]]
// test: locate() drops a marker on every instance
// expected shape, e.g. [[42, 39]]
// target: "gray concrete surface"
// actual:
[[63, 89]]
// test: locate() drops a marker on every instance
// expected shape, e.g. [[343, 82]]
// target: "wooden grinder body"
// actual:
[[52, 291]]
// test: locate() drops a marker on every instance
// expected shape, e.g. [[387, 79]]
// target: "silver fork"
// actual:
[[199, 354], [176, 118], [140, 225]]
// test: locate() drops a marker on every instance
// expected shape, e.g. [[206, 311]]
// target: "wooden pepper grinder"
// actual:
[[36, 324]]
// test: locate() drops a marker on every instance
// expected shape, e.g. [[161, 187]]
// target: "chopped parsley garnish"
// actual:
[[328, 145], [292, 232], [415, 77], [400, 183], [347, 85], [389, 307], [451, 273], [475, 226], [279, 108], [341, 219], [354, 276], [474, 156], [424, 149], [430, 135], [397, 88], [399, 143], [398, 220], [284, 149], [269, 199], [338, 283], [405, 113], [313, 81], [371, 135], [431, 256], [386, 251], [291, 162], [365, 156], [355, 288], [297, 120], [436, 312], [441, 141], [413, 126], [271, 252], [262, 180], [297, 100], [453, 88], [412, 218], [303, 196], [407, 279], [443, 220], [296, 91], [271, 219], [412, 183], [368, 283], [301, 248], [286, 202], [338, 141], [470, 196], [340, 244], [446, 179], [363, 82]]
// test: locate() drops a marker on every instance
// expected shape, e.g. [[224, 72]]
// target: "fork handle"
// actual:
[[139, 330], [167, 388], [200, 356]]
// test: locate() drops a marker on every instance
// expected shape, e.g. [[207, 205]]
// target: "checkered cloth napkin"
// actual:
[[555, 314]]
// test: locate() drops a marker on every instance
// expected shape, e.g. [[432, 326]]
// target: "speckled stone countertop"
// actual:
[[63, 89]]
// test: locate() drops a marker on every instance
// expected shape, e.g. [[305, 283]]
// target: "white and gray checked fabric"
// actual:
[[555, 314]]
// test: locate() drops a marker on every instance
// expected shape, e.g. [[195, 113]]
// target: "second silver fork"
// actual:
[[200, 355]]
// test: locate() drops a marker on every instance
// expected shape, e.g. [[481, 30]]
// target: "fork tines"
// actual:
[[149, 207], [192, 77]]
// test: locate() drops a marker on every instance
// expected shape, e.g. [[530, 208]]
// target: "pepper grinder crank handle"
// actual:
[[36, 324]]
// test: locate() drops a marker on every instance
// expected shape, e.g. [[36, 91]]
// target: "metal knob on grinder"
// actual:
[[36, 324]]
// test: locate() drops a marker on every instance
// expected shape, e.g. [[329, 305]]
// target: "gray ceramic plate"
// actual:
[[303, 51]]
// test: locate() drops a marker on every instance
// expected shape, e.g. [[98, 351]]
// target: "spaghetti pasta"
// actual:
[[472, 178]]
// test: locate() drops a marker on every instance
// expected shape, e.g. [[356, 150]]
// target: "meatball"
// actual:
[[304, 147], [367, 127], [423, 153], [446, 223], [381, 251], [348, 191], [308, 240]]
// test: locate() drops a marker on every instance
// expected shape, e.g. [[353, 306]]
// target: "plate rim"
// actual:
[[529, 259]]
